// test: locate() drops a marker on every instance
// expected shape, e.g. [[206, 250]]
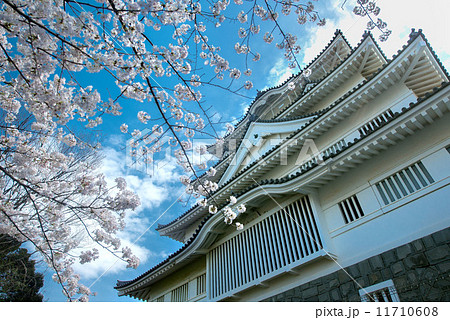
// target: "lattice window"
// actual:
[[380, 292], [180, 294], [404, 182], [281, 239], [351, 209], [201, 284]]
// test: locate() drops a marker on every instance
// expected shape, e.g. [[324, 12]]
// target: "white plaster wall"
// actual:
[[396, 95], [388, 231], [383, 227], [187, 273]]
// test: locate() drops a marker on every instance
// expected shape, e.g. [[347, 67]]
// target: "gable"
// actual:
[[260, 138]]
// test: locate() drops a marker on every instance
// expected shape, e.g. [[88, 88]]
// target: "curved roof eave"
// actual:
[[262, 96], [161, 228], [414, 35], [121, 285]]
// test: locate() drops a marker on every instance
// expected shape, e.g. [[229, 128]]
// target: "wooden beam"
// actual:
[[388, 78], [355, 160], [378, 145], [437, 111], [422, 73], [406, 129], [420, 91], [413, 63], [361, 155], [398, 135], [370, 151], [388, 140], [146, 296], [416, 123], [431, 78], [373, 62], [427, 117], [364, 60]]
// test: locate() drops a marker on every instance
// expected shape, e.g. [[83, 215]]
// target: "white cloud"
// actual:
[[107, 262], [400, 15], [351, 25], [152, 191], [279, 73], [152, 187], [430, 16], [116, 139]]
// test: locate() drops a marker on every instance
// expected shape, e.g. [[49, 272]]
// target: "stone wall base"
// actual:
[[420, 271]]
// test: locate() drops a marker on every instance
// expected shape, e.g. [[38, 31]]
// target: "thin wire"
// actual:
[[326, 252], [184, 192]]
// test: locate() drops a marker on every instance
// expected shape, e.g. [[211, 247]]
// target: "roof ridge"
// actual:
[[284, 179], [343, 97], [289, 118], [319, 81], [422, 35], [337, 33]]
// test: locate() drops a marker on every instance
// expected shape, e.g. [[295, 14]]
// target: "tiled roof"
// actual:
[[286, 119], [413, 36], [336, 34], [366, 34], [121, 284]]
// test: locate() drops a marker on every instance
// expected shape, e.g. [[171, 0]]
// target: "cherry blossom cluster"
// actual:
[[228, 212], [51, 190], [53, 197], [369, 8]]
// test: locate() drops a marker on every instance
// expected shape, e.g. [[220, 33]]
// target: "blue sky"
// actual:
[[160, 189]]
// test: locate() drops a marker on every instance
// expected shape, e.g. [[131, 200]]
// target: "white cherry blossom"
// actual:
[[212, 209], [143, 116], [48, 47]]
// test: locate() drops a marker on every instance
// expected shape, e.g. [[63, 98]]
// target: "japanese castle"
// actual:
[[344, 170]]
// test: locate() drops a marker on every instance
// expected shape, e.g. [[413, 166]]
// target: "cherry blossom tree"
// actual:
[[155, 51], [53, 196]]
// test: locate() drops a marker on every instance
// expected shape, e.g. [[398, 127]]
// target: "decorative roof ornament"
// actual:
[[414, 33], [258, 93], [307, 73]]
